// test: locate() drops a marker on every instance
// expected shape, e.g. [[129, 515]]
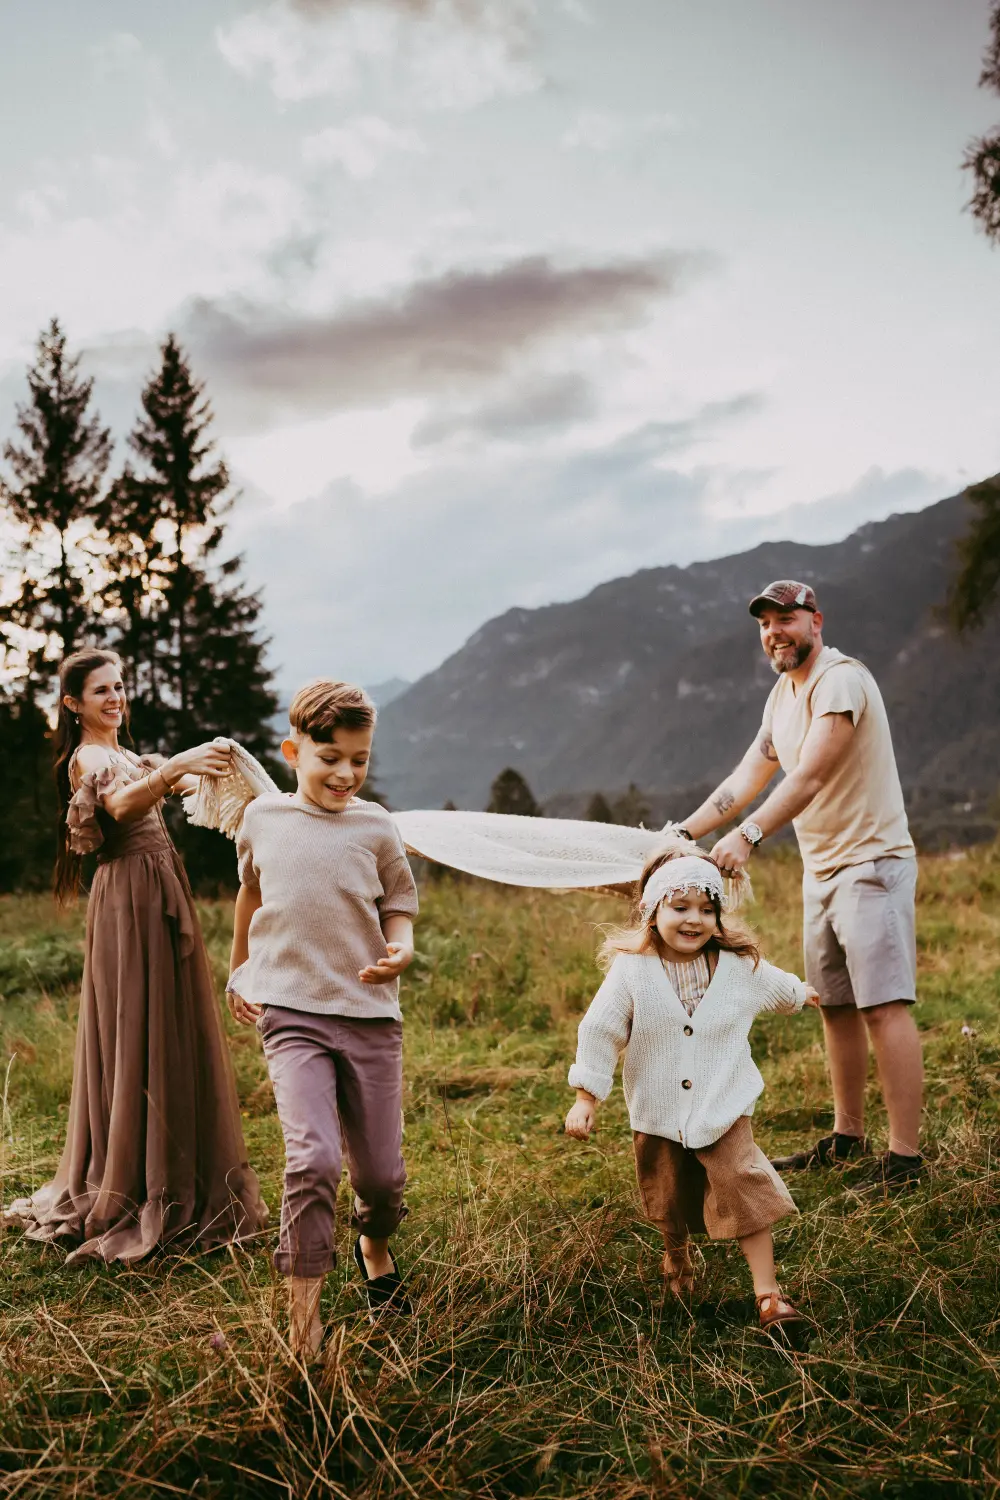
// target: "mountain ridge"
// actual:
[[658, 678]]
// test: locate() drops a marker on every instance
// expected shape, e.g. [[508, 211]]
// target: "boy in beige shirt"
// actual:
[[323, 930]]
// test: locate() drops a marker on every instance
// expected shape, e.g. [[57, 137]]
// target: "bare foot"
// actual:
[[305, 1327], [678, 1272]]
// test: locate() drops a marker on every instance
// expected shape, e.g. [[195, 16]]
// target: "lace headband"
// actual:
[[691, 872]]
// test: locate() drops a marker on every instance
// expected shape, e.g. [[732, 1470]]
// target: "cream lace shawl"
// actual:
[[548, 853]]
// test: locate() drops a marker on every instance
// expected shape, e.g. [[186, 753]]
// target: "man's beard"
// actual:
[[802, 651]]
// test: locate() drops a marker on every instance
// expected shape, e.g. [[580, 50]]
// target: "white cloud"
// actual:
[[39, 204], [577, 11], [360, 144], [118, 51], [150, 246], [457, 542], [438, 56], [160, 136], [602, 130], [370, 448], [454, 545]]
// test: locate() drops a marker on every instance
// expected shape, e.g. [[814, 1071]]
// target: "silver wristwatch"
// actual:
[[752, 832]]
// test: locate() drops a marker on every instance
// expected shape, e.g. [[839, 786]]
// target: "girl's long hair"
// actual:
[[73, 673], [639, 934]]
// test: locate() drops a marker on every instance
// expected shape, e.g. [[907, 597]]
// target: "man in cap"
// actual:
[[825, 726]]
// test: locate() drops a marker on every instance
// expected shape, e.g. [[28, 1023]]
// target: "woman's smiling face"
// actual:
[[101, 706], [686, 921]]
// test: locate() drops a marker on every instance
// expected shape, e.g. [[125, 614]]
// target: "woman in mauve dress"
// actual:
[[154, 1155]]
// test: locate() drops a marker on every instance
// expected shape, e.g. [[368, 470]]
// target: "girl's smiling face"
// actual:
[[686, 921]]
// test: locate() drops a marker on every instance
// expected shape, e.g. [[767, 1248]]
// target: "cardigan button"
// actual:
[[689, 1031], [685, 1083]]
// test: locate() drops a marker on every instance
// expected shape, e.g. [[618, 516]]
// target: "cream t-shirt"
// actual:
[[327, 881], [858, 814]]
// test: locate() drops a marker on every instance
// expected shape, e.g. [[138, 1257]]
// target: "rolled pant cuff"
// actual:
[[287, 1264], [378, 1223]]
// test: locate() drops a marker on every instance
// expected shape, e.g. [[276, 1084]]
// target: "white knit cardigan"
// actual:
[[686, 1078]]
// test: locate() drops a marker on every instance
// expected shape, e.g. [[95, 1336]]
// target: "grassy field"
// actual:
[[543, 1358]]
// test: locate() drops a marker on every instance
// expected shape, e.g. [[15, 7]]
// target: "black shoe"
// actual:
[[385, 1293], [891, 1174], [832, 1151]]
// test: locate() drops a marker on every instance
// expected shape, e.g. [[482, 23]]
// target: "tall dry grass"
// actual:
[[543, 1358]]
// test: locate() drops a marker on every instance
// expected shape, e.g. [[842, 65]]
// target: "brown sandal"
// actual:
[[778, 1311]]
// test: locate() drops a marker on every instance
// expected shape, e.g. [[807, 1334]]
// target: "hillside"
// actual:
[[658, 679]]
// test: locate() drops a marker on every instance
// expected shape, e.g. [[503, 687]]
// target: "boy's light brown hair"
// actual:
[[323, 706]]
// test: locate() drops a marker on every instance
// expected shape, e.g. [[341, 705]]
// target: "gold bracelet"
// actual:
[[157, 796]]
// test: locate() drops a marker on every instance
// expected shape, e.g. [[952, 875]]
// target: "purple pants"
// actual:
[[338, 1085]]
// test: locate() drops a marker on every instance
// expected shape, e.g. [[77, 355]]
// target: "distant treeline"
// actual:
[[124, 552], [510, 793]]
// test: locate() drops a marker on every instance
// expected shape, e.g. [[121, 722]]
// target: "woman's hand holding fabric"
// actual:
[[214, 758]]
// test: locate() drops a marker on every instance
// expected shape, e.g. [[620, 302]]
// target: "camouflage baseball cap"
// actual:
[[784, 593]]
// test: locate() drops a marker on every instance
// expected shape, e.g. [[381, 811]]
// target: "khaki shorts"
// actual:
[[727, 1190], [859, 933]]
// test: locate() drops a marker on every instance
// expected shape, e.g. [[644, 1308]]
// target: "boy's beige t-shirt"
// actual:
[[858, 814], [326, 880]]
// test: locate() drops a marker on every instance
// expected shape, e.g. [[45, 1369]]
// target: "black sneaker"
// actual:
[[385, 1293], [891, 1174], [831, 1151]]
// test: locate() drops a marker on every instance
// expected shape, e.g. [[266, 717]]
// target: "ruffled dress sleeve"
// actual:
[[85, 832]]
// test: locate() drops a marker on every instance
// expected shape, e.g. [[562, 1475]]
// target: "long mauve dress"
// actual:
[[154, 1155]]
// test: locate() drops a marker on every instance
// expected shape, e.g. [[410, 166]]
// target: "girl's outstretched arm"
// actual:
[[781, 992], [603, 1035]]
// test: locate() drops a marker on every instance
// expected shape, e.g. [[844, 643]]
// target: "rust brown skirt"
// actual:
[[727, 1190], [154, 1155]]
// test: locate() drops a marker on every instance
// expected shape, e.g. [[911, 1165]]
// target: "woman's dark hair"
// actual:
[[73, 673]]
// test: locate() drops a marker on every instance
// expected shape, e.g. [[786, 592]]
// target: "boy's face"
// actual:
[[330, 774]]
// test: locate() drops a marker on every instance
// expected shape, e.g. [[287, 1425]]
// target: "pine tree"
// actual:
[[510, 793], [975, 589], [976, 586], [28, 805], [631, 808], [54, 499], [187, 625], [598, 810], [982, 158]]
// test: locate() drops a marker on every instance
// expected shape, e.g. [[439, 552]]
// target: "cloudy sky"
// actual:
[[496, 299]]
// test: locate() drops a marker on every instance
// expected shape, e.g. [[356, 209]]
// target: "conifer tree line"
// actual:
[[510, 793], [124, 552]]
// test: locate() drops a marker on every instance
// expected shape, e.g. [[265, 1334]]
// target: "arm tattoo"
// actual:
[[766, 747], [723, 800]]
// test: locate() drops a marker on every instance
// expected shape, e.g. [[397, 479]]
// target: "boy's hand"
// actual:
[[398, 958], [812, 997], [244, 1011], [580, 1120]]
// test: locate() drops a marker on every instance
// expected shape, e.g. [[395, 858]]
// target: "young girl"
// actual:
[[679, 998]]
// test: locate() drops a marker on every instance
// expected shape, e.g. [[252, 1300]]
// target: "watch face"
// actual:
[[752, 832]]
